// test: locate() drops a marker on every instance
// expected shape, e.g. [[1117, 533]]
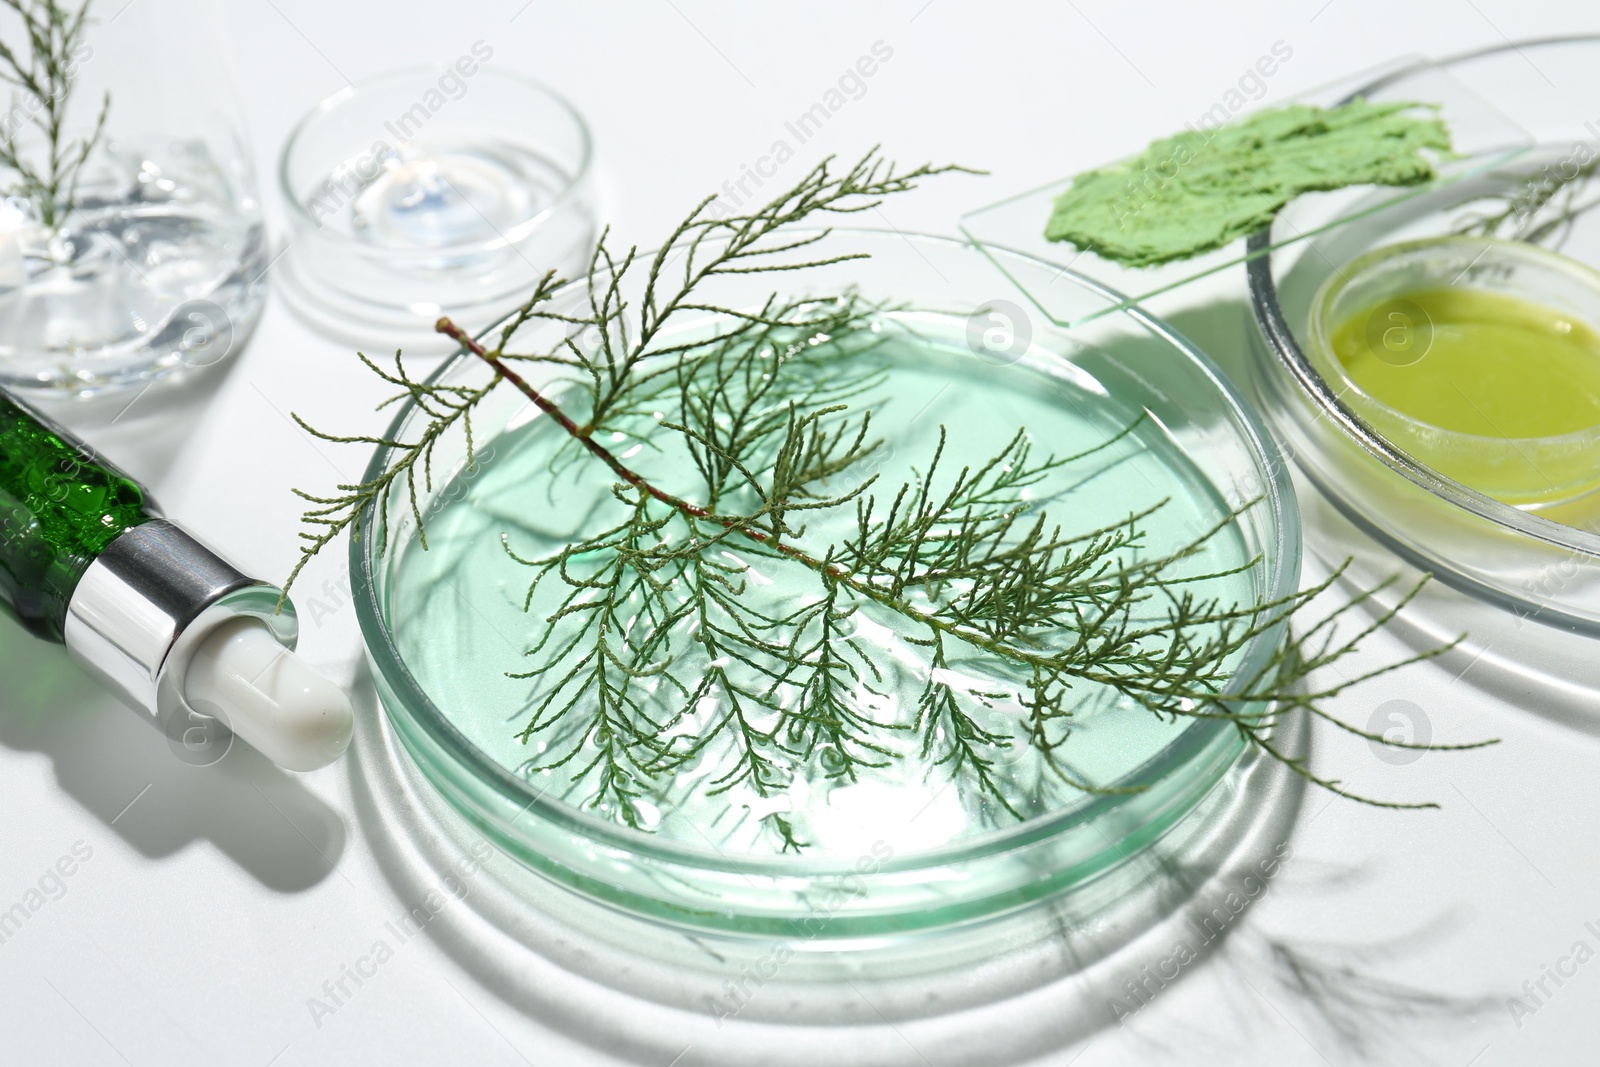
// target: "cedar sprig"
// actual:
[[1541, 209]]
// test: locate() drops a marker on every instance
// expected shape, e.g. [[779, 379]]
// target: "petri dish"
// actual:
[[1540, 560], [901, 848], [433, 191]]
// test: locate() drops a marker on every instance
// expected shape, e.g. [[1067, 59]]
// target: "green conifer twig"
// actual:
[[44, 72]]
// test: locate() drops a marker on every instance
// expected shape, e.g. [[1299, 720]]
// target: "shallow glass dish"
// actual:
[[1541, 563], [1496, 458], [438, 190], [441, 625]]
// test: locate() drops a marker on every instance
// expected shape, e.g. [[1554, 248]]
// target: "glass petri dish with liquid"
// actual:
[[433, 191], [1431, 366], [1146, 426]]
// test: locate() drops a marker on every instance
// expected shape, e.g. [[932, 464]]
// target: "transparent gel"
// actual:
[[459, 622]]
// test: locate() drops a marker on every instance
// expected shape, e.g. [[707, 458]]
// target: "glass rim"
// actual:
[[1199, 736], [327, 105], [1321, 326]]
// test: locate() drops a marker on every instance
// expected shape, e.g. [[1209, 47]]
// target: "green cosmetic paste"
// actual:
[[1200, 189]]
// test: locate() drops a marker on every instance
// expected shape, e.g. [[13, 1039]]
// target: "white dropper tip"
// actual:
[[267, 695]]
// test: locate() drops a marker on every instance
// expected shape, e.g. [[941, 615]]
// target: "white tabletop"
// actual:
[[212, 915]]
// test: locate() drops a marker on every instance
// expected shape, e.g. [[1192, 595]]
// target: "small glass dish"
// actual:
[[433, 191], [421, 613], [1527, 471], [1542, 563]]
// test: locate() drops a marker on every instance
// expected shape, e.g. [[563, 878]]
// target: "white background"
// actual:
[[217, 901]]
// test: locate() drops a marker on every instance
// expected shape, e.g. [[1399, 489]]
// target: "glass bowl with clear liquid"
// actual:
[[159, 265], [894, 848], [447, 190]]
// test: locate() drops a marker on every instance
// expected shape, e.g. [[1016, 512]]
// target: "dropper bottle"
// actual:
[[172, 628]]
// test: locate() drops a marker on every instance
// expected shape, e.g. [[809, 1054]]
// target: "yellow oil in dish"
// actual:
[[1492, 390]]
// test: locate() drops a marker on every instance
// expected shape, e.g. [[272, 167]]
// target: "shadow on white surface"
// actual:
[[125, 774], [1517, 660], [1053, 979]]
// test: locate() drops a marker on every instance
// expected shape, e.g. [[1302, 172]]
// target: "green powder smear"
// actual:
[[1200, 189]]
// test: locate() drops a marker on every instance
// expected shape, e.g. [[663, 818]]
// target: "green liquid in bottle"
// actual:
[[60, 506]]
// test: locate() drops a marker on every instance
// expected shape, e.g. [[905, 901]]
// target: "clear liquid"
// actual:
[[440, 194], [457, 609], [158, 268]]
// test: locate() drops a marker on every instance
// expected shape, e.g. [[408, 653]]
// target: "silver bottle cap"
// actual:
[[145, 605]]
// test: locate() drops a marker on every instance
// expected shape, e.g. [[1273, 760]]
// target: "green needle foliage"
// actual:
[[1543, 207], [656, 639], [42, 73]]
